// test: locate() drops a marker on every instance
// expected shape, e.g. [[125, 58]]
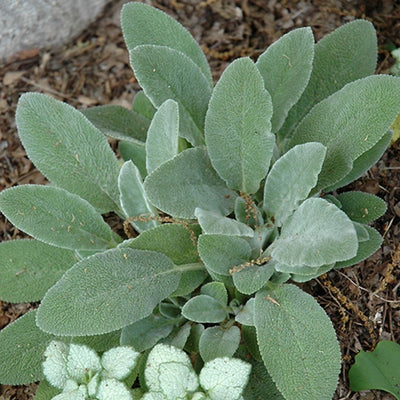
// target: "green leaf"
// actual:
[[291, 179], [134, 151], [133, 199], [303, 359], [251, 278], [363, 163], [204, 308], [238, 127], [156, 69], [219, 342], [225, 378], [362, 207], [362, 232], [249, 334], [99, 343], [318, 272], [118, 122], [144, 334], [45, 391], [317, 233], [56, 217], [188, 181], [365, 249], [70, 151], [347, 54], [142, 24], [217, 290], [286, 68], [21, 351], [221, 253], [142, 105], [28, 268], [349, 123], [84, 298], [163, 135], [215, 223], [179, 336], [246, 315], [379, 369]]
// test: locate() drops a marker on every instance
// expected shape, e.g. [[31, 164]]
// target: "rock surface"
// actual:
[[26, 24]]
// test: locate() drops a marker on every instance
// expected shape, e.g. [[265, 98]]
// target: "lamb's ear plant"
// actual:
[[230, 192]]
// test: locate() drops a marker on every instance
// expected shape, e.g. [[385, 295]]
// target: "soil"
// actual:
[[363, 301]]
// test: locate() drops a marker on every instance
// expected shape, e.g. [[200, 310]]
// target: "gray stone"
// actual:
[[26, 24]]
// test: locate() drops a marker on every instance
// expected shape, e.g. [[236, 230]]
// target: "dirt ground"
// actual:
[[363, 301]]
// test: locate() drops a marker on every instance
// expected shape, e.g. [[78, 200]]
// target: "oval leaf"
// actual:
[[119, 283], [350, 122], [134, 203], [286, 68], [204, 308], [56, 217], [291, 346], [142, 24], [238, 127], [21, 351], [317, 233], [163, 135], [156, 69], [285, 187], [70, 151], [28, 268], [188, 181]]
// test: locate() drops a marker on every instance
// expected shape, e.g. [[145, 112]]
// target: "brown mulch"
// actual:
[[362, 301]]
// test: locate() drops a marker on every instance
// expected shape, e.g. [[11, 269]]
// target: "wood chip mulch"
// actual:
[[363, 301]]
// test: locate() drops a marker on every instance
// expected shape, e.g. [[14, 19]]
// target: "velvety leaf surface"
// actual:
[[362, 207], [291, 179], [142, 24], [60, 139], [217, 290], [134, 151], [378, 369], [21, 351], [347, 54], [317, 233], [286, 67], [188, 181], [28, 268], [303, 359], [218, 342], [165, 73], [252, 278], [142, 105], [118, 122], [84, 298], [133, 199], [221, 253], [163, 135], [56, 217], [238, 127], [204, 308], [349, 123]]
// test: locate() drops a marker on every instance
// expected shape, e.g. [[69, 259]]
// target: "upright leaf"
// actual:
[[118, 122], [188, 181], [303, 359], [119, 282], [28, 268], [163, 135], [165, 73], [56, 217], [347, 54], [134, 151], [142, 24], [286, 68], [69, 150], [350, 122], [22, 345], [379, 369], [238, 127], [291, 179], [142, 105], [318, 233], [133, 199]]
